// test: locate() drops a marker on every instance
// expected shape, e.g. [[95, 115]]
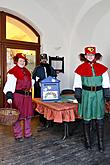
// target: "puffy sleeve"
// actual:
[[77, 81], [10, 84], [105, 81], [33, 82]]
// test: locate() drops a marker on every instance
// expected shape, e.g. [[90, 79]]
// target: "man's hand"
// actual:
[[106, 92], [78, 94], [9, 101]]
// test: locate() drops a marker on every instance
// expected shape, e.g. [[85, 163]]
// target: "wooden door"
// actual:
[[1, 77], [14, 46]]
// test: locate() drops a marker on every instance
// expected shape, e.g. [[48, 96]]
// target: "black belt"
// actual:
[[92, 88], [23, 92]]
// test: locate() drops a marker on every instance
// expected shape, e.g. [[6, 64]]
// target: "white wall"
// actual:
[[92, 29], [66, 28]]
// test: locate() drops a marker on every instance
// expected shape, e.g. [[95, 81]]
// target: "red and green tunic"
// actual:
[[92, 104]]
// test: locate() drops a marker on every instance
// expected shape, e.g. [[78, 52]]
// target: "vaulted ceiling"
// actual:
[[64, 11]]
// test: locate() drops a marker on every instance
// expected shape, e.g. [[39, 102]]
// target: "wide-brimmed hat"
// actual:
[[21, 55], [90, 50]]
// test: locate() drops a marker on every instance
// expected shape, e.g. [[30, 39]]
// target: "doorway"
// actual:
[[16, 36]]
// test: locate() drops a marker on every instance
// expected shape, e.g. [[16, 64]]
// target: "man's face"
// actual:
[[44, 61]]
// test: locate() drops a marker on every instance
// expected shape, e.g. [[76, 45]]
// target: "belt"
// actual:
[[92, 88], [24, 92]]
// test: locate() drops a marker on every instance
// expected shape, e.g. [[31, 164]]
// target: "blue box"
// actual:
[[50, 89]]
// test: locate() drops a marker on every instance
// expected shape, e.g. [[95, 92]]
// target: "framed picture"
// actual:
[[57, 63]]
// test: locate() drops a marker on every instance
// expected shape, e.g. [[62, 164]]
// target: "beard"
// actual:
[[44, 64]]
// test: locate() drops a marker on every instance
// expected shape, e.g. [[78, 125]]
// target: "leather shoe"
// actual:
[[19, 139], [30, 137]]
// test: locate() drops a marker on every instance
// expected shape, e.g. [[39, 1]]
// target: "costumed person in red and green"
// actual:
[[18, 93], [91, 85]]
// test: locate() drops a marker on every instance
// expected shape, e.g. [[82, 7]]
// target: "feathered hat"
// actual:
[[20, 55]]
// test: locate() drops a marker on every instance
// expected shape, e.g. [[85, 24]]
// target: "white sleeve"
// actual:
[[37, 78], [10, 84], [77, 81], [33, 82], [105, 81]]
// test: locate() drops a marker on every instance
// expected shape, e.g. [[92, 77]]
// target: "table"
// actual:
[[59, 112]]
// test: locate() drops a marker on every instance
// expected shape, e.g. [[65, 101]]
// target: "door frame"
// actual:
[[13, 44]]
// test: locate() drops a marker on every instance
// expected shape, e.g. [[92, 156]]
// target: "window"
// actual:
[[16, 30]]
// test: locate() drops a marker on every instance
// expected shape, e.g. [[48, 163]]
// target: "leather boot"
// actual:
[[87, 136], [100, 133]]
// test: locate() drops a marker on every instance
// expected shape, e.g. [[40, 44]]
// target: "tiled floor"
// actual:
[[49, 149]]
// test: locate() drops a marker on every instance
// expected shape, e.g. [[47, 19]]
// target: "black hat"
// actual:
[[43, 56]]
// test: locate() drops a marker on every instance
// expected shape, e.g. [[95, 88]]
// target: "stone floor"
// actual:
[[48, 148]]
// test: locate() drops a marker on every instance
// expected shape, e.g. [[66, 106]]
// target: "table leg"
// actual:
[[48, 124], [66, 131]]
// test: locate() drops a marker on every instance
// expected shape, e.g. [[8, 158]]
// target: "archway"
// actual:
[[16, 36]]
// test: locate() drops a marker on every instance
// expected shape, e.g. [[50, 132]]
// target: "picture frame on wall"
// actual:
[[57, 63]]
